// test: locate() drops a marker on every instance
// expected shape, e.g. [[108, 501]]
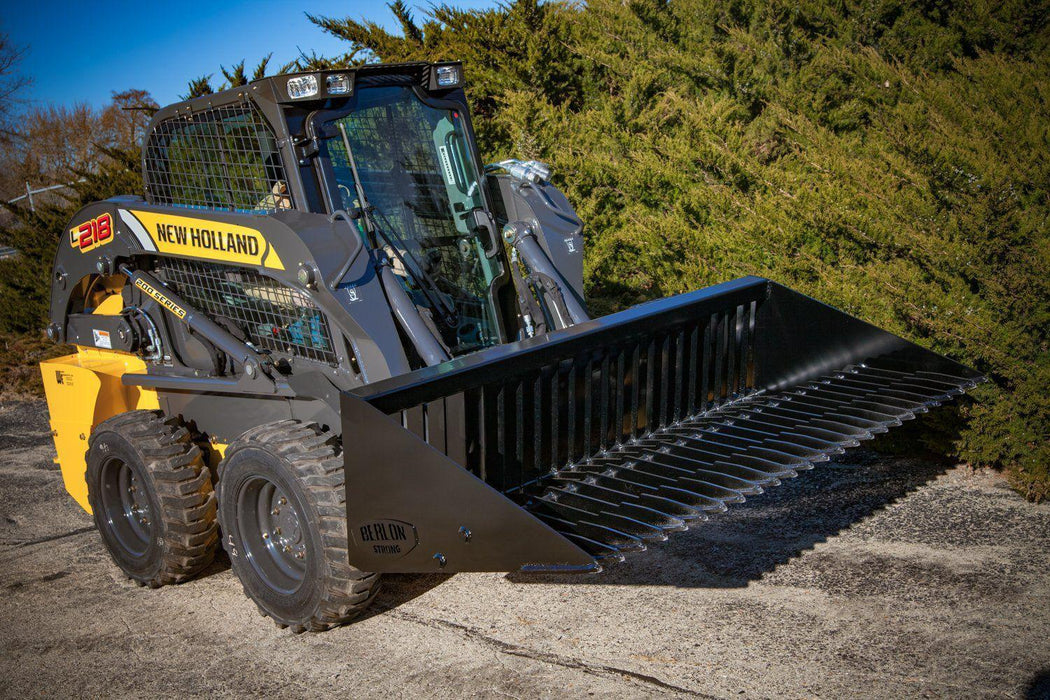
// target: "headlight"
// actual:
[[338, 84], [303, 86], [447, 76]]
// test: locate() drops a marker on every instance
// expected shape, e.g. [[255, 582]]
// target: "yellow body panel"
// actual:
[[208, 240], [110, 306], [84, 389]]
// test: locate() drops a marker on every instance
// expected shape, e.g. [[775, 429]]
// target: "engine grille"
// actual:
[[267, 313]]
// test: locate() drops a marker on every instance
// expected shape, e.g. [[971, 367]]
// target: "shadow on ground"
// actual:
[[734, 548], [1039, 688]]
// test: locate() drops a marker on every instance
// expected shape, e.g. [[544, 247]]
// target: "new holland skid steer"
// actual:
[[331, 340]]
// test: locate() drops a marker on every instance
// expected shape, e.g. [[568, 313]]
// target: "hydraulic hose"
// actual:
[[522, 237]]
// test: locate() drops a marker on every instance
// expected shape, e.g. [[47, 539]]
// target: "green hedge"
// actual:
[[891, 159]]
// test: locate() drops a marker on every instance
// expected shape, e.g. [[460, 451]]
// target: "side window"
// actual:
[[257, 308], [224, 158]]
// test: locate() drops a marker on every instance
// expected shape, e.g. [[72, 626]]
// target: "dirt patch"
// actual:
[[870, 576]]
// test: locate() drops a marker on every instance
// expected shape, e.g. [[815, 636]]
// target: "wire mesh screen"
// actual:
[[267, 313], [223, 158], [399, 168]]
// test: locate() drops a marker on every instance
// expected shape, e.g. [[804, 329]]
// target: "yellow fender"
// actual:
[[84, 389]]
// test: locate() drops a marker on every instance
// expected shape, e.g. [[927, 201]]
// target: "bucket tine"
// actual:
[[964, 383], [690, 465], [570, 509], [848, 425], [704, 448], [760, 433], [607, 537], [604, 505], [690, 499], [882, 387], [589, 486], [661, 467], [947, 389], [780, 435], [866, 399], [844, 435], [627, 472], [891, 415]]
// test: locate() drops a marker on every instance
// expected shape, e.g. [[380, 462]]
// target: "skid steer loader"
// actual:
[[331, 339]]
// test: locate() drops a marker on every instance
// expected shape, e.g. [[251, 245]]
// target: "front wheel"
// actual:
[[282, 506]]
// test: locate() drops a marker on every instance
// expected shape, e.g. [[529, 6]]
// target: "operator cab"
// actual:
[[394, 149]]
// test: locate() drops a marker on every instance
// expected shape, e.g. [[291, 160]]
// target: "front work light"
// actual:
[[303, 86], [447, 76], [338, 84]]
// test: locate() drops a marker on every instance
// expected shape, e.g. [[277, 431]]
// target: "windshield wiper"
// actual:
[[415, 270]]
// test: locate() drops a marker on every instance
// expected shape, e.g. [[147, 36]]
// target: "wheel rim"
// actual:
[[126, 507], [272, 535]]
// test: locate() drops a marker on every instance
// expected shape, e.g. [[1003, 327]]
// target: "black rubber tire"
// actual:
[[304, 463], [180, 534]]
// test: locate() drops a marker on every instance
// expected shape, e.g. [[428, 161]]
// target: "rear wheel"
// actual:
[[151, 497], [282, 506]]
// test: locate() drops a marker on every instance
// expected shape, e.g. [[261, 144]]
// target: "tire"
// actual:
[[151, 497], [282, 506]]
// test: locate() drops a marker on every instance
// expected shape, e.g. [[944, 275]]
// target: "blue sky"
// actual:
[[82, 51]]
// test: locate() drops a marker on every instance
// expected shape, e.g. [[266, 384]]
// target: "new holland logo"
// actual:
[[209, 240]]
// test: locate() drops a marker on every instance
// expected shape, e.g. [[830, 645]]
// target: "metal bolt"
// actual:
[[440, 559], [275, 511], [300, 555], [276, 531], [266, 535], [282, 500], [463, 530]]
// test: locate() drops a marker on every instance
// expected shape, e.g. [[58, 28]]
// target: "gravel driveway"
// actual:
[[871, 576]]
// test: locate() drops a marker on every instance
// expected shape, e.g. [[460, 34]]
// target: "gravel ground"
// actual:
[[872, 576]]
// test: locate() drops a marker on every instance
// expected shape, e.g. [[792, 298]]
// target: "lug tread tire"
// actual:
[[182, 484], [315, 457]]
